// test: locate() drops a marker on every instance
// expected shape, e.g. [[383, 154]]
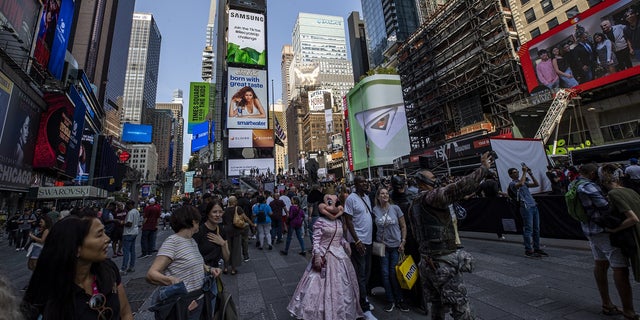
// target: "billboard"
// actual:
[[246, 44], [19, 116], [239, 166], [377, 122], [258, 138], [53, 36], [136, 133], [199, 103], [200, 137], [320, 100], [328, 120], [584, 57], [249, 4], [188, 181], [54, 133], [247, 89], [77, 129], [19, 19]]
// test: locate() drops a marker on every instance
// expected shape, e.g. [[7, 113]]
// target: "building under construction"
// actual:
[[459, 71]]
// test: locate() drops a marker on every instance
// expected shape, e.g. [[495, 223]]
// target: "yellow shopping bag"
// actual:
[[406, 272]]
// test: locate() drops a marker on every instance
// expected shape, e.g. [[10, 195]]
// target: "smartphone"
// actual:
[[494, 155], [523, 164]]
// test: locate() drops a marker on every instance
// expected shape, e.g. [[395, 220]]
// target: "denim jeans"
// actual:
[[298, 235], [388, 272], [530, 227], [147, 241], [276, 230], [129, 251], [362, 265]]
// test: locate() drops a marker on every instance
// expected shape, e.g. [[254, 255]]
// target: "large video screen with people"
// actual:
[[592, 49]]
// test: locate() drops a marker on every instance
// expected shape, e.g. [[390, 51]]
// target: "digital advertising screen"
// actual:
[[199, 104], [20, 118], [246, 44], [582, 51], [239, 166], [53, 36], [377, 121], [247, 99], [136, 133], [240, 138], [54, 133]]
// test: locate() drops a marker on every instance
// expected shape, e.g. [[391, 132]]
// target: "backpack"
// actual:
[[261, 216], [574, 206]]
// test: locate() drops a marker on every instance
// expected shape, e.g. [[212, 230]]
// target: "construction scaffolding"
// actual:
[[459, 69]]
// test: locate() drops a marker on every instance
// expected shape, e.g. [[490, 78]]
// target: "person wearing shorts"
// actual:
[[604, 254]]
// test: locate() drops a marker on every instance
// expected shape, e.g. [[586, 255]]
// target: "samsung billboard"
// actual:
[[136, 133], [580, 54], [246, 44]]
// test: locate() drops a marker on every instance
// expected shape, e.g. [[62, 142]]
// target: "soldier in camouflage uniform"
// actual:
[[442, 263]]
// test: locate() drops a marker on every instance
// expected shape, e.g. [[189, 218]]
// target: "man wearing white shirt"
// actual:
[[357, 209], [129, 234]]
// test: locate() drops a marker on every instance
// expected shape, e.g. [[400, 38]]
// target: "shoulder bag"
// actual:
[[378, 248], [238, 222]]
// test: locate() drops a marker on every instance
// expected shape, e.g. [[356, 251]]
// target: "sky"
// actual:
[[183, 29]]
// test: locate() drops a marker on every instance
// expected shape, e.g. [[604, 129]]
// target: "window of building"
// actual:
[[620, 131], [535, 32], [547, 6], [530, 15], [572, 12], [523, 1], [552, 23]]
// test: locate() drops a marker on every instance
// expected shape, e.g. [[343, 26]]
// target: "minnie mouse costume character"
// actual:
[[328, 288]]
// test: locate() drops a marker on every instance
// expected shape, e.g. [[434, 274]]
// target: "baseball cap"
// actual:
[[633, 160], [152, 200]]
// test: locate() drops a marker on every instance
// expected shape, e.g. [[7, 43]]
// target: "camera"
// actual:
[[494, 155]]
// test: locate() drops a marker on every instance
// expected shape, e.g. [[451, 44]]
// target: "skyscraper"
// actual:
[[100, 40], [142, 68], [319, 63], [208, 70], [317, 36], [388, 22], [358, 45], [285, 64], [177, 129]]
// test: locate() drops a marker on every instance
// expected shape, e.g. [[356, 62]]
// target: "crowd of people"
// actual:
[[336, 226], [591, 54]]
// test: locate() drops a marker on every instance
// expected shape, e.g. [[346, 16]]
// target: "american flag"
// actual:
[[279, 132]]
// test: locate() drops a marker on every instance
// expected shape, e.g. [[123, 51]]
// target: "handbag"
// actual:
[[406, 271], [225, 307], [238, 222], [378, 248]]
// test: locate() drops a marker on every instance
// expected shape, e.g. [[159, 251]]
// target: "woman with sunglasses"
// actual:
[[73, 278]]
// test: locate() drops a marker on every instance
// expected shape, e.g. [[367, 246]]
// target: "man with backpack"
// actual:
[[519, 186], [262, 213], [595, 207]]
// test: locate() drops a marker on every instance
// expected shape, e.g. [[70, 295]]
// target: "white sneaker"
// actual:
[[369, 316]]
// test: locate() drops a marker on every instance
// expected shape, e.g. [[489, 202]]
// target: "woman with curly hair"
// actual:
[[245, 103]]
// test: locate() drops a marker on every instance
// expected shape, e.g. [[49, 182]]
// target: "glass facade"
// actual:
[[387, 22], [140, 82]]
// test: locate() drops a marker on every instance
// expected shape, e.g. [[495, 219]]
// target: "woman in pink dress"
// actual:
[[328, 288]]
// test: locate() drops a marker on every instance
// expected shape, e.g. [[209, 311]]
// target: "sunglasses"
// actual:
[[98, 303]]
